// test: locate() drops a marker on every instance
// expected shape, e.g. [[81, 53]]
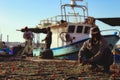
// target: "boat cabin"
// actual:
[[74, 33]]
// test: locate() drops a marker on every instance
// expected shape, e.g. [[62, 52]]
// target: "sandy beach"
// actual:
[[34, 68]]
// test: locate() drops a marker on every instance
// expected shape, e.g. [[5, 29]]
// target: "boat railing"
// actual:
[[68, 18]]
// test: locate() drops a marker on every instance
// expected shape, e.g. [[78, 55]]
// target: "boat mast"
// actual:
[[61, 8]]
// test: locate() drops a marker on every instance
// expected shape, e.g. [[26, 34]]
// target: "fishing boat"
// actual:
[[71, 29]]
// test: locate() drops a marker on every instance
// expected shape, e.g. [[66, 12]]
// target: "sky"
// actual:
[[16, 14]]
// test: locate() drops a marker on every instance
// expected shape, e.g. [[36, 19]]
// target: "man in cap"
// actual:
[[28, 36], [96, 51]]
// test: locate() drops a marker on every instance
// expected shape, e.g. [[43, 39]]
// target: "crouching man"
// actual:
[[96, 51]]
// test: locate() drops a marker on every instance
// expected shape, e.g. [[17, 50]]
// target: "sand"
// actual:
[[34, 68]]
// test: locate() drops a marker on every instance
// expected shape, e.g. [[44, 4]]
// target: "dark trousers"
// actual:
[[106, 57], [48, 45]]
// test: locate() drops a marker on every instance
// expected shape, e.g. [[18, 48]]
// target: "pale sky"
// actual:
[[16, 14]]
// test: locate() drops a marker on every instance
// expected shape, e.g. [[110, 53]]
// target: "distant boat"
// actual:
[[71, 29]]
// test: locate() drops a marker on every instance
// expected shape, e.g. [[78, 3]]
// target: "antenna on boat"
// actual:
[[60, 2], [87, 7], [61, 5], [73, 4]]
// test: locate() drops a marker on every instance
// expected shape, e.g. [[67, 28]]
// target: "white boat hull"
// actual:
[[71, 51]]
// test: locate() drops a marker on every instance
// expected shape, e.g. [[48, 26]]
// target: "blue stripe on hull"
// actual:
[[71, 56], [71, 51]]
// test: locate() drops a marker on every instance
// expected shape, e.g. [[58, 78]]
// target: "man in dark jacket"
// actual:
[[48, 38], [96, 51]]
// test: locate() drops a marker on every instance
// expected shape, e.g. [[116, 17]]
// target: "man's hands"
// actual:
[[79, 60], [83, 62], [43, 40]]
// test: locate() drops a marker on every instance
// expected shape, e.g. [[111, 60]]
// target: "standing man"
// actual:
[[96, 51], [48, 38], [28, 36]]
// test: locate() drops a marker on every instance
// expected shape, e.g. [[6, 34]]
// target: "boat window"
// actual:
[[71, 28], [79, 29], [87, 29]]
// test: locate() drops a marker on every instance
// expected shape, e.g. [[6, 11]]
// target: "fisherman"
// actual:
[[4, 48], [48, 38], [4, 45], [96, 51], [28, 36]]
